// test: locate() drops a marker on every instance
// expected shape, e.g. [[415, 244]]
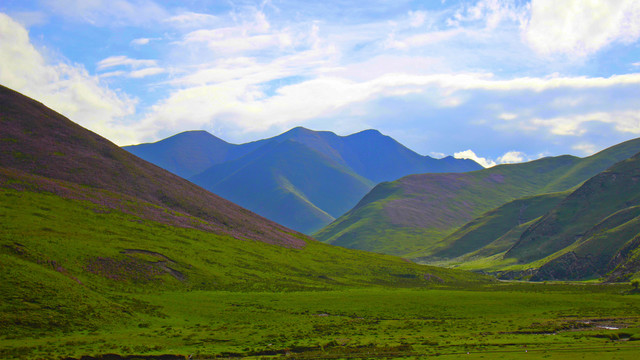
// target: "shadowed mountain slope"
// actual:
[[330, 175], [279, 185], [412, 214]]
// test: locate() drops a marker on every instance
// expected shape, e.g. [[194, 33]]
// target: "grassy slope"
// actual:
[[585, 233], [417, 211], [612, 190], [39, 141], [88, 270], [494, 224], [68, 290]]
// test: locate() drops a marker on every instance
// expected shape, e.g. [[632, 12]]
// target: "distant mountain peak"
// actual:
[[199, 135], [369, 132], [298, 130]]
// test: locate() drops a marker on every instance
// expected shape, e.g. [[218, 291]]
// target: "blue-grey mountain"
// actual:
[[302, 179]]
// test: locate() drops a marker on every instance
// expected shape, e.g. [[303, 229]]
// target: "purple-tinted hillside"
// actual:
[[37, 140]]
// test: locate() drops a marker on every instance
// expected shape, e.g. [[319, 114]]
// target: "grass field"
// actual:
[[506, 320], [79, 279]]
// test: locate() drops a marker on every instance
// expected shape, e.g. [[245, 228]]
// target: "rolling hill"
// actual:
[[302, 179], [590, 232], [88, 228], [411, 216], [493, 229]]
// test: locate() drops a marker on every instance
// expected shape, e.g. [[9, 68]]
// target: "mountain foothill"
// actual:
[[539, 220]]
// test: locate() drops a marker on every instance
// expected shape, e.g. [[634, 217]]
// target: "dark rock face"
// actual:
[[566, 267], [623, 263]]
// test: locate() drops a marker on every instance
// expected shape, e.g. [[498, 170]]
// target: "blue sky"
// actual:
[[497, 81]]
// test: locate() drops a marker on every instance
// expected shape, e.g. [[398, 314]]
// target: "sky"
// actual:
[[496, 81]]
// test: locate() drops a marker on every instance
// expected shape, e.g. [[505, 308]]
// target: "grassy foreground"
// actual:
[[79, 279], [511, 320]]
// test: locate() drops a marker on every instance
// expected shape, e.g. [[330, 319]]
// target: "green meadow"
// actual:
[[507, 320], [79, 279]]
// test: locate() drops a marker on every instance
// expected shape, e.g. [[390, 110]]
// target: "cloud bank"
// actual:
[[66, 88], [509, 79]]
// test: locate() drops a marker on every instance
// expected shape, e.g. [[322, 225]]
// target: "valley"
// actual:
[[319, 180], [106, 256]]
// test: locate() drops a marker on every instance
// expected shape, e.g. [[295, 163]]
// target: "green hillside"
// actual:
[[589, 232], [411, 215], [583, 235], [104, 256], [57, 185], [494, 224]]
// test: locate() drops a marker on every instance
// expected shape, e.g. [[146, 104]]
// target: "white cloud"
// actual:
[[122, 60], [579, 27], [585, 148], [419, 40], [192, 20], [253, 34], [112, 74], [507, 116], [469, 154], [417, 18], [573, 125], [140, 41], [66, 88], [230, 94], [30, 18], [490, 12], [512, 157], [137, 74]]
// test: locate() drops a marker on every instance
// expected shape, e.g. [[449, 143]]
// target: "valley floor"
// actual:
[[497, 321]]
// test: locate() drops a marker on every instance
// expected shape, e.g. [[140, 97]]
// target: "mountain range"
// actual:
[[302, 179], [554, 218], [77, 209]]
